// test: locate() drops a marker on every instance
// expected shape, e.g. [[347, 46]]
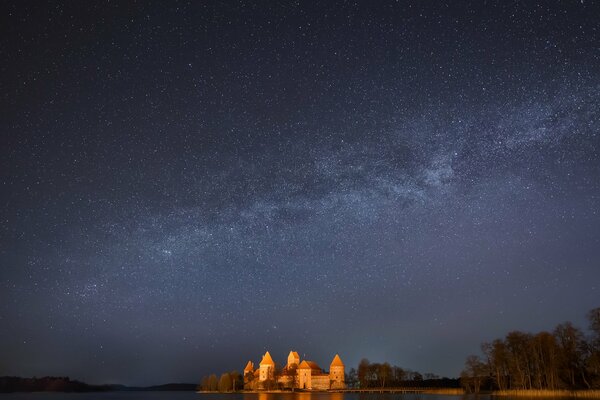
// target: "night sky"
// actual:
[[185, 186]]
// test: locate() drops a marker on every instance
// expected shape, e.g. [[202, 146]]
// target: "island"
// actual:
[[296, 374]]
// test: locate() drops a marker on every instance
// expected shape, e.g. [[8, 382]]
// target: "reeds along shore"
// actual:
[[589, 394]]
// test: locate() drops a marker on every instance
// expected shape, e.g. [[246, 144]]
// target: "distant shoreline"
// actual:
[[49, 384]]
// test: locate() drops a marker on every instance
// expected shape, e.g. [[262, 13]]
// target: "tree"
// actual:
[[352, 378], [545, 361], [271, 381], [363, 373], [225, 383], [237, 382], [249, 380], [496, 357], [594, 320], [593, 359], [384, 372], [565, 358], [399, 375], [213, 383], [292, 375], [572, 348], [203, 386], [417, 377], [517, 346], [474, 374]]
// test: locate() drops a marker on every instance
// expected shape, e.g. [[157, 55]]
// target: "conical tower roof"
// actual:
[[267, 360], [294, 354], [337, 362], [249, 366]]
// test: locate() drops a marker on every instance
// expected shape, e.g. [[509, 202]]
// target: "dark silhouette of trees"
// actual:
[[380, 376], [351, 378], [229, 381], [364, 377], [474, 375], [237, 381], [48, 384], [572, 348], [384, 373], [209, 383], [593, 361], [496, 355], [563, 359], [398, 374]]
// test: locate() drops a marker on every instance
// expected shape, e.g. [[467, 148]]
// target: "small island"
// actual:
[[304, 375]]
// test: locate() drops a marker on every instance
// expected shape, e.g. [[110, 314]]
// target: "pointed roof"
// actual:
[[309, 365], [267, 360], [295, 354], [337, 362], [249, 366]]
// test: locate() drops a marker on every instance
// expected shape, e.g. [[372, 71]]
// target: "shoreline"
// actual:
[[562, 393], [447, 391], [583, 393]]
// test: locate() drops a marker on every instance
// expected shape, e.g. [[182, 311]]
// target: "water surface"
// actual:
[[247, 396]]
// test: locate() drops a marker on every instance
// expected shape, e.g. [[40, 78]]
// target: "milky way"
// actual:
[[187, 186]]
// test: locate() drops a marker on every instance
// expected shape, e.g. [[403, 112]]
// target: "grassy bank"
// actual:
[[589, 394]]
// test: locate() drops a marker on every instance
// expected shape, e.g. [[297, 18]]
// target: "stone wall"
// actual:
[[338, 385], [319, 382]]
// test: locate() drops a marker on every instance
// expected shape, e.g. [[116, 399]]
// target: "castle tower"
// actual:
[[249, 367], [267, 368], [293, 359], [249, 370], [336, 373]]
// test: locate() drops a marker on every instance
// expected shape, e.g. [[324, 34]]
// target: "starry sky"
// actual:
[[186, 185]]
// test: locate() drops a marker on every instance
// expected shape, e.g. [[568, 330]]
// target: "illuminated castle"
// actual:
[[305, 375]]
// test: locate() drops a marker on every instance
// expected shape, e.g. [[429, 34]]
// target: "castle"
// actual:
[[305, 375]]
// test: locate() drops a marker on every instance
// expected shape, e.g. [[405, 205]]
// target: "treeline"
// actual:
[[385, 375], [47, 384], [10, 384], [562, 359], [228, 382]]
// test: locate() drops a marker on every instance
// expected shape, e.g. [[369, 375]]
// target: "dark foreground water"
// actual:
[[243, 396]]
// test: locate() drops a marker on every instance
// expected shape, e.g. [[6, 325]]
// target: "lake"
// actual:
[[243, 396]]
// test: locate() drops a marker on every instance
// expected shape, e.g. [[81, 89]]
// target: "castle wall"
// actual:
[[285, 381], [266, 372], [338, 385], [304, 378], [319, 382]]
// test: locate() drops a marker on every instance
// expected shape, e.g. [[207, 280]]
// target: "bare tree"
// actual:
[[474, 374], [384, 373]]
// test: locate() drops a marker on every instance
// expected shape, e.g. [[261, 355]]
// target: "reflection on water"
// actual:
[[247, 396], [356, 396]]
